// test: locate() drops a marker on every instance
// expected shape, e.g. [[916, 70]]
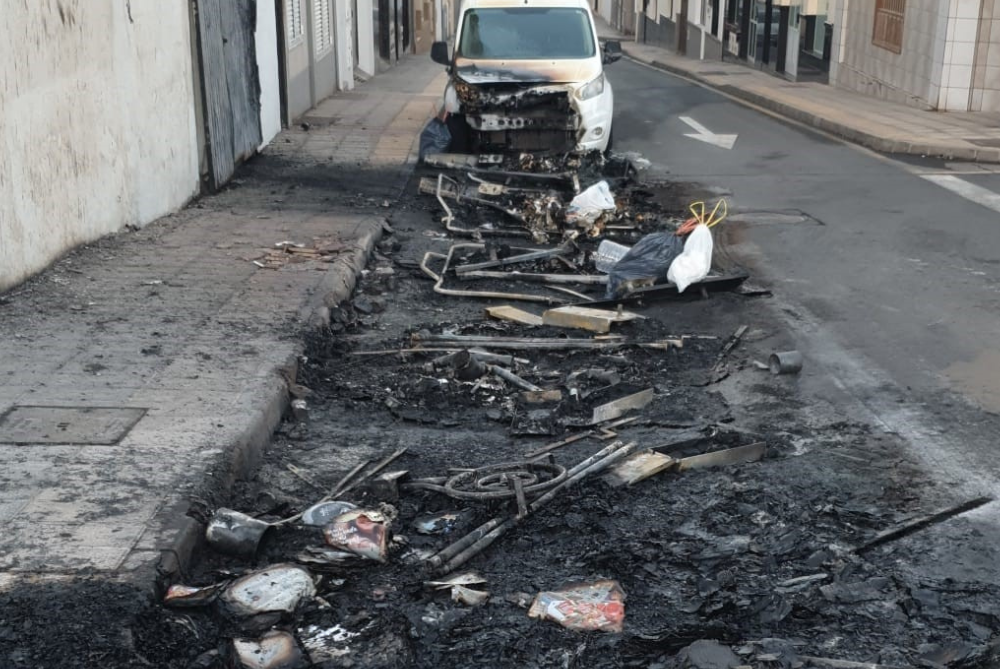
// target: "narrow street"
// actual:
[[866, 534], [346, 334], [886, 278], [862, 533]]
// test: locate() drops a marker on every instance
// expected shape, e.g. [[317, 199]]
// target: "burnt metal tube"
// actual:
[[482, 356], [513, 378], [582, 471], [472, 537], [475, 535]]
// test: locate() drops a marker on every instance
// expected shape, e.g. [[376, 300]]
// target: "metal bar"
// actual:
[[559, 444], [730, 345], [729, 456], [552, 343], [482, 356], [480, 545], [920, 523], [379, 467], [577, 437], [568, 178], [513, 260], [475, 535], [485, 356], [522, 503], [449, 217], [583, 279], [440, 289], [472, 537], [575, 294], [335, 491], [513, 378]]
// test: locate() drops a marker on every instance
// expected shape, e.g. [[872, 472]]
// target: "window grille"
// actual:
[[888, 29]]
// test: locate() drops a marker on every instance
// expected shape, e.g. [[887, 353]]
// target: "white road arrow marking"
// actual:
[[703, 134]]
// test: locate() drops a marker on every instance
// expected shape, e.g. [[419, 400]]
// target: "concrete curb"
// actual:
[[842, 130], [338, 284], [241, 457]]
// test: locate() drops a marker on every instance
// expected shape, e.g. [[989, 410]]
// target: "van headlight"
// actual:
[[591, 89]]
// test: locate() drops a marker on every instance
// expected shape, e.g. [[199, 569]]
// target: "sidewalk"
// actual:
[[158, 359], [876, 124]]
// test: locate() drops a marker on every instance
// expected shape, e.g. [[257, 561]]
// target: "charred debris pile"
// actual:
[[559, 484], [569, 229]]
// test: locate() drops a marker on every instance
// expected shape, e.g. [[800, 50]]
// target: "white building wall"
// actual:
[[696, 12], [366, 37], [604, 9], [985, 86], [343, 40], [266, 42], [912, 77], [97, 128]]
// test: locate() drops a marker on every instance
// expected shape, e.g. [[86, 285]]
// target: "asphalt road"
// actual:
[[887, 281]]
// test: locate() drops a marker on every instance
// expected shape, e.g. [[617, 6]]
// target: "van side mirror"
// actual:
[[439, 53], [612, 51]]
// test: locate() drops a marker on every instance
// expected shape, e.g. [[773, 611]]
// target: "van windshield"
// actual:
[[527, 33]]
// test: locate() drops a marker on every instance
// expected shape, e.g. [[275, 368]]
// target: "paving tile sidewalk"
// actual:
[[876, 124], [176, 321]]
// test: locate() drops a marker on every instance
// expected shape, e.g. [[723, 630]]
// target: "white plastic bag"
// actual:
[[694, 263], [589, 205]]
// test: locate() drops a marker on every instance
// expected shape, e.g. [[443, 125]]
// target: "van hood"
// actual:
[[527, 71]]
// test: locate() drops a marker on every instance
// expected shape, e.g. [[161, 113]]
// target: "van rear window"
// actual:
[[527, 33]]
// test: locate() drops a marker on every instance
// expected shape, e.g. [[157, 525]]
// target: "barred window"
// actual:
[[888, 29], [293, 21]]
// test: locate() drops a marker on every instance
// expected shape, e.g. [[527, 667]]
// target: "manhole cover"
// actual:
[[97, 426]]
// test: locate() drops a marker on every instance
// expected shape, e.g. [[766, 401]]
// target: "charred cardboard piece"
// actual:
[[616, 409], [465, 578], [185, 596], [460, 592], [598, 606], [651, 462], [361, 532], [324, 556], [279, 588], [514, 315], [639, 467], [729, 456], [468, 596], [541, 396], [274, 650]]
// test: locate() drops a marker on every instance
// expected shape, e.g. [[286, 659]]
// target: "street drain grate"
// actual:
[[83, 426]]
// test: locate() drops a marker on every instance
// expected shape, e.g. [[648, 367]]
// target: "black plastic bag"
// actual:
[[434, 138], [648, 260]]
